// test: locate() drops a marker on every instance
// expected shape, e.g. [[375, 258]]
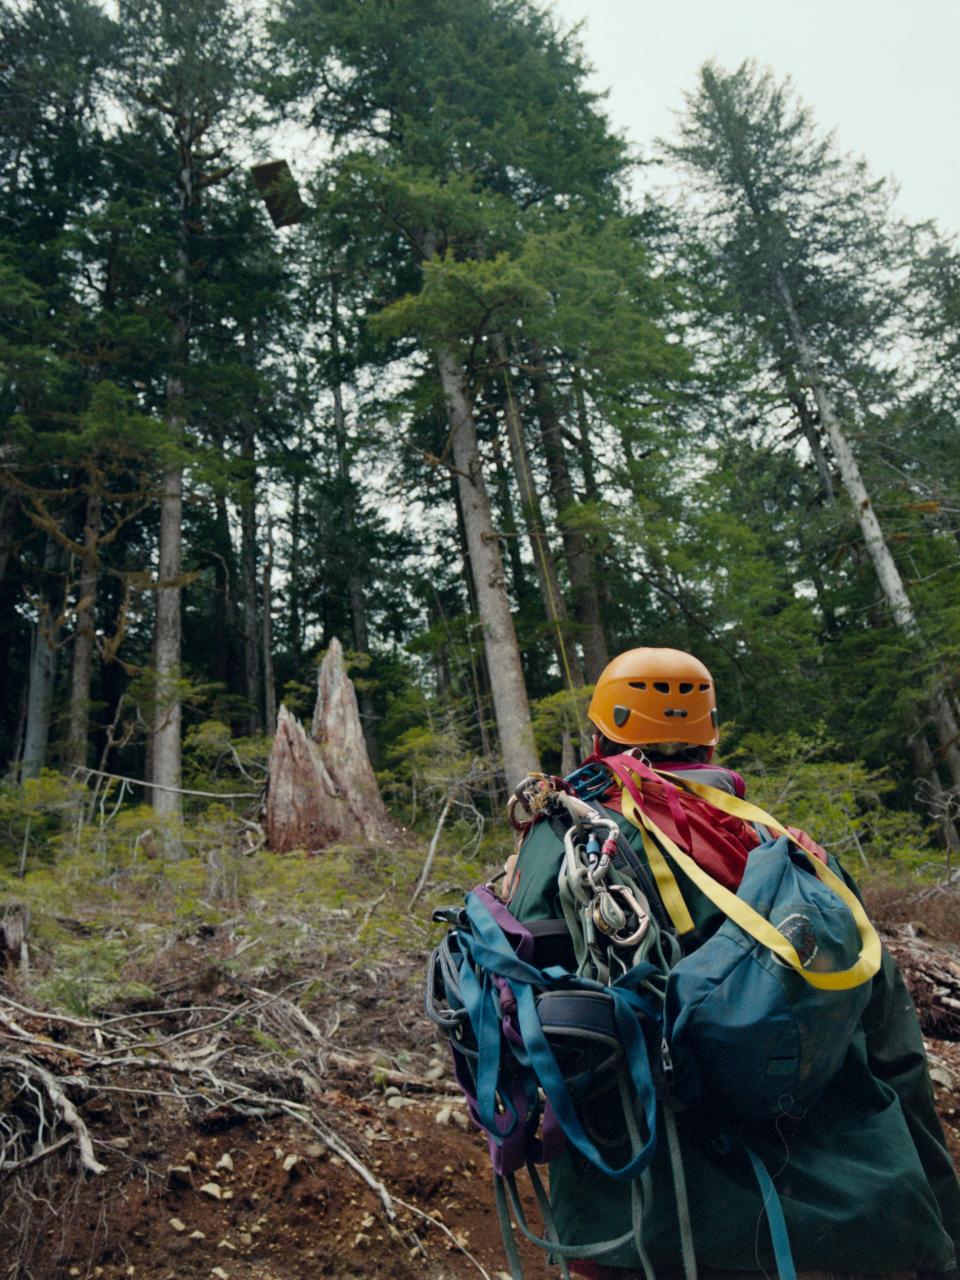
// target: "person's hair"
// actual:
[[655, 752]]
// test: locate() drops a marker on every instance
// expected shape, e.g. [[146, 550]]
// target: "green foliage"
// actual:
[[471, 194], [841, 803], [35, 817], [213, 760], [87, 975], [556, 714]]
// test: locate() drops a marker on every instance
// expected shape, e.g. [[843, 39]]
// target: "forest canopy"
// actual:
[[479, 411]]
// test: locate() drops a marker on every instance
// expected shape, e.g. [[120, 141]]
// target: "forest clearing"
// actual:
[[258, 1086], [366, 397]]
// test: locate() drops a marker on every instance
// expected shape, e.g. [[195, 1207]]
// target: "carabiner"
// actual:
[[637, 909]]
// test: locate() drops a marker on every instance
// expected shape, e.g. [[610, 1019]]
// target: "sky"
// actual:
[[881, 73]]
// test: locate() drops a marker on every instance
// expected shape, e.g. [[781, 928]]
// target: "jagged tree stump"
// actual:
[[321, 788]]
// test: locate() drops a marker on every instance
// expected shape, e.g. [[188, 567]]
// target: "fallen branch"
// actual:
[[435, 1222], [46, 1016], [16, 1165], [66, 1108], [297, 1014], [336, 1144], [432, 850], [368, 913], [159, 786]]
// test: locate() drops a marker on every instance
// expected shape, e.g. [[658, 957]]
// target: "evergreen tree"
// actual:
[[808, 257]]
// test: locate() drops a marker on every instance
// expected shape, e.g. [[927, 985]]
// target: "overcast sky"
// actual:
[[882, 73]]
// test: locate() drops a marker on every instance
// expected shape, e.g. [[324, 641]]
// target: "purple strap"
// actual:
[[512, 1152], [521, 939]]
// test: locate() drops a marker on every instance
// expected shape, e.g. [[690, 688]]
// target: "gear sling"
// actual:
[[553, 1032]]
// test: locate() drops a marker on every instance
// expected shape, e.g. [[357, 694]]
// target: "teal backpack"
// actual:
[[751, 1023], [745, 1031]]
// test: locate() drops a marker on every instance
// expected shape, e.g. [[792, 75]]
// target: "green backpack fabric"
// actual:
[[747, 1033]]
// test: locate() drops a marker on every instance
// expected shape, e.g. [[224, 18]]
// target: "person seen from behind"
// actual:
[[864, 1175]]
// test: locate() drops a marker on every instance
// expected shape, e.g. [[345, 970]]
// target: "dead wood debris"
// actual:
[[257, 1056], [932, 974]]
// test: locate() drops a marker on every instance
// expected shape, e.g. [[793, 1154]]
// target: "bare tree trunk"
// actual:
[[510, 705], [938, 800], [355, 586], [165, 753], [84, 640], [269, 680], [812, 436], [510, 534], [479, 684], [885, 567], [294, 624], [248, 570], [580, 559], [544, 562], [165, 745], [223, 603], [583, 431], [43, 666]]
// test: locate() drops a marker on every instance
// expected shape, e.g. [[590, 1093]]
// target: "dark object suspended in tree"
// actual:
[[280, 192]]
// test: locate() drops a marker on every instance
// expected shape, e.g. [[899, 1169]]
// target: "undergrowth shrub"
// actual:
[[843, 804], [85, 975]]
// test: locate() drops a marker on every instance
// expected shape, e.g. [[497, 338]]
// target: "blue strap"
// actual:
[[776, 1222], [482, 1011], [488, 948]]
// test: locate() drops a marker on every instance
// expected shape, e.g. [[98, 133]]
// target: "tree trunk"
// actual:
[[355, 585], [223, 603], [583, 432], [248, 570], [269, 680], [85, 637], [888, 575], [548, 580], [545, 564], [43, 666], [510, 705], [938, 800], [812, 436], [509, 530], [580, 559], [165, 745], [479, 684], [322, 789], [8, 510], [167, 711], [294, 625]]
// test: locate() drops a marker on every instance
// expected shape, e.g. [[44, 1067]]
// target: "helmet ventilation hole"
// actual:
[[704, 688], [686, 686], [637, 684], [661, 686]]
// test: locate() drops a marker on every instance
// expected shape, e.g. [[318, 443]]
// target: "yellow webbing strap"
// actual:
[[667, 886], [740, 912]]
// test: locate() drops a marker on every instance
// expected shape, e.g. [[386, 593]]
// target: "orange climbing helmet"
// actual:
[[656, 695]]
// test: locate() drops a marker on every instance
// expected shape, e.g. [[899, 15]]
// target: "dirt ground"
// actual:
[[192, 1189], [197, 1190]]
